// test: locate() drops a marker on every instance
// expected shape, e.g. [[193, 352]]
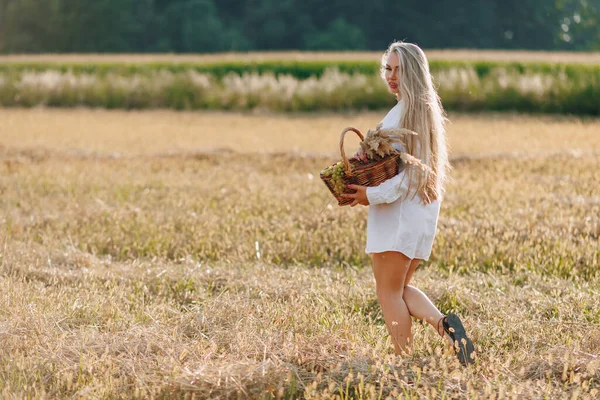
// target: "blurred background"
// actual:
[[532, 56], [200, 26]]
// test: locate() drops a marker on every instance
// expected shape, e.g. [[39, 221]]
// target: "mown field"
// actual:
[[432, 54], [159, 254]]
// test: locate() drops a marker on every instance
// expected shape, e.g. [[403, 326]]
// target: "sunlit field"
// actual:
[[160, 254], [432, 54]]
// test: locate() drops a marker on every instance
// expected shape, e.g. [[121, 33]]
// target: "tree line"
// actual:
[[181, 26]]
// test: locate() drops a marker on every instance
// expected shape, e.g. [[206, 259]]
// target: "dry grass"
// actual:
[[137, 275], [487, 55], [164, 132]]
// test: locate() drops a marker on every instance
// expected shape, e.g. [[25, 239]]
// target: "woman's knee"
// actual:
[[408, 290], [390, 286]]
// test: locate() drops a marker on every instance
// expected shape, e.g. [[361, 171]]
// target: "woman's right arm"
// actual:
[[389, 190]]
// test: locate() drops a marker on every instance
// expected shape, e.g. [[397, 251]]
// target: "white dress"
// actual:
[[395, 223]]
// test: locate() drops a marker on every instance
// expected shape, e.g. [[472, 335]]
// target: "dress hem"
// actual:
[[369, 251]]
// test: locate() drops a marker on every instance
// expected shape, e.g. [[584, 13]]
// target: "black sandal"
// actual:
[[463, 347]]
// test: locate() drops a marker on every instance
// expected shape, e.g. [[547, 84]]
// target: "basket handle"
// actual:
[[360, 135]]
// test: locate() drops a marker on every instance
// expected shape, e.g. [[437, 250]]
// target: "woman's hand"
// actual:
[[360, 197], [360, 155]]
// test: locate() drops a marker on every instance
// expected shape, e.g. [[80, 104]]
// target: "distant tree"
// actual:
[[579, 25], [3, 4], [223, 25], [27, 26], [275, 24], [340, 35], [232, 13], [233, 39], [194, 26], [145, 31], [98, 26]]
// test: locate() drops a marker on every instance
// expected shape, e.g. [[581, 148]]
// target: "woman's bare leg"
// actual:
[[421, 307], [390, 270], [419, 304]]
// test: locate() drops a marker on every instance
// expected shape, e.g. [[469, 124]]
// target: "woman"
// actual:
[[404, 210]]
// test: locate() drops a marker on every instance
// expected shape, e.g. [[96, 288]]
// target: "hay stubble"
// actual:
[[129, 265]]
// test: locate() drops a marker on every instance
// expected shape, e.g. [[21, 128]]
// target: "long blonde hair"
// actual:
[[423, 114]]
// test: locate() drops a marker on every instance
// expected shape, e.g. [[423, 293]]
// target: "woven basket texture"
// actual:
[[357, 172]]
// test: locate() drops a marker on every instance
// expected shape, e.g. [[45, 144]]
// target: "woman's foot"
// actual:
[[455, 333]]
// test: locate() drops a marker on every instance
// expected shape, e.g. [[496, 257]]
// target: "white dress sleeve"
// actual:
[[389, 190]]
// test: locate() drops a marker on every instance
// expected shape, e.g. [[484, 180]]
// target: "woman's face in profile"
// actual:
[[391, 72]]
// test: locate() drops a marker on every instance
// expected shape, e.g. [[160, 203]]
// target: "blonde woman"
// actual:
[[404, 210]]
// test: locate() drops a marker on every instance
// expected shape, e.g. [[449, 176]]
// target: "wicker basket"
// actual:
[[356, 172]]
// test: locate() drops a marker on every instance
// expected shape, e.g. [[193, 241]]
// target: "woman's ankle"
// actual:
[[440, 326]]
